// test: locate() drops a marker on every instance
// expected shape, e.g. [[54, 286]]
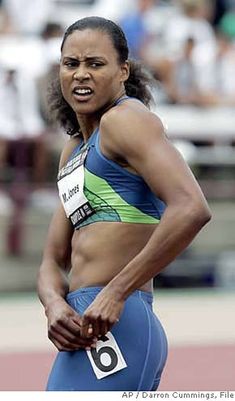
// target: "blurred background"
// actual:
[[189, 47]]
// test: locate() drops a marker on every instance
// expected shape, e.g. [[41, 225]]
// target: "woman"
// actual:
[[119, 176]]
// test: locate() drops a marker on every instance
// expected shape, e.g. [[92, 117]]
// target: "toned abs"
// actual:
[[101, 250]]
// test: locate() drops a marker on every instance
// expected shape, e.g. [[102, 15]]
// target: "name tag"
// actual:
[[70, 184], [106, 358]]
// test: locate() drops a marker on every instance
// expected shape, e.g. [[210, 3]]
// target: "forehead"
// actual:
[[89, 42]]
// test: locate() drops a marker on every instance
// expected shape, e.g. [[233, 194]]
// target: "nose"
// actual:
[[81, 73]]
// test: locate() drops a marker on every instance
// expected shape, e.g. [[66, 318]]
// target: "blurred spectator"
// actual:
[[227, 22], [52, 36], [27, 16], [193, 59], [182, 86], [19, 116], [23, 126], [135, 27], [191, 21], [143, 29], [5, 23], [143, 26], [52, 30], [224, 71], [23, 149], [220, 7]]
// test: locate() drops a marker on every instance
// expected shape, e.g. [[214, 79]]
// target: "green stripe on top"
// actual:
[[113, 208]]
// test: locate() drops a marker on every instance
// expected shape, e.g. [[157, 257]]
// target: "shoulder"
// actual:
[[68, 149], [130, 123]]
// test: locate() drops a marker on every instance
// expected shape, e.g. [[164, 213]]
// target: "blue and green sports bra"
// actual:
[[113, 193]]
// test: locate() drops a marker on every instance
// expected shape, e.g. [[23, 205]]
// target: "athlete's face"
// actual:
[[90, 74]]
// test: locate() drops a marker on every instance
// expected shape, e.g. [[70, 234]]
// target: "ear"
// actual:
[[125, 71]]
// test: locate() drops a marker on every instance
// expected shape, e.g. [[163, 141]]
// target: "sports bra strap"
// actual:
[[121, 100]]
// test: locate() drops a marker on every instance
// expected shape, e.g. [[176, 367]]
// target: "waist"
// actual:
[[98, 274], [79, 294]]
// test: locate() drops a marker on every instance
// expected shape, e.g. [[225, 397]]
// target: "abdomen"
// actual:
[[101, 250]]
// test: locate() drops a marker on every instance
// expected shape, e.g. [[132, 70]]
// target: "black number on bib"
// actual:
[[96, 355]]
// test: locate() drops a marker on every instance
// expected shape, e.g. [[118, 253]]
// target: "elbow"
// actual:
[[207, 215], [200, 213]]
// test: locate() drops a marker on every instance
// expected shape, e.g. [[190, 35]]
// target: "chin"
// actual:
[[84, 107], [88, 108]]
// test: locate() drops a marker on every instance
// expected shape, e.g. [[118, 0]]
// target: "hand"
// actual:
[[101, 315], [64, 326]]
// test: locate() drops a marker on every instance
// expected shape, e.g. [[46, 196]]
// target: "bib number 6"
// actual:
[[106, 358], [97, 357]]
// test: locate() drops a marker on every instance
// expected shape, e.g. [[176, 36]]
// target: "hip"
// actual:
[[130, 357], [138, 318]]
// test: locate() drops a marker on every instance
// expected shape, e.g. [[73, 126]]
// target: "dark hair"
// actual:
[[138, 84]]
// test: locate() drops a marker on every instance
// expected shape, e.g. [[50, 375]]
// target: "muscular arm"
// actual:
[[138, 137]]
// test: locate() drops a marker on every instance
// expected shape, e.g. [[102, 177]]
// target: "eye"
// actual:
[[71, 63], [96, 64]]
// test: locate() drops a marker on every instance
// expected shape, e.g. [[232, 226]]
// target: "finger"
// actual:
[[104, 328], [71, 337], [108, 326], [71, 325], [61, 344], [86, 329], [54, 334], [95, 327], [94, 343], [76, 319], [78, 342], [90, 330]]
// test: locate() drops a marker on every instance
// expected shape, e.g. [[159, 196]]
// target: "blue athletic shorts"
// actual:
[[140, 338]]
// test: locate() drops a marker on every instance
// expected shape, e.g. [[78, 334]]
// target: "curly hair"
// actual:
[[138, 84]]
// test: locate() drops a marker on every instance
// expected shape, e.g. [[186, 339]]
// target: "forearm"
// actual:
[[64, 323], [175, 232], [52, 283]]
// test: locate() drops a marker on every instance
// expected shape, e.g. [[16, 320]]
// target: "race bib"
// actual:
[[70, 184], [106, 358]]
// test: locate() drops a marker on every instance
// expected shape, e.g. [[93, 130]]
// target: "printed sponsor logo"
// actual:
[[72, 165], [80, 214]]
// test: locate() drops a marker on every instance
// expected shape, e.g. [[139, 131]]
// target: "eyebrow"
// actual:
[[88, 58]]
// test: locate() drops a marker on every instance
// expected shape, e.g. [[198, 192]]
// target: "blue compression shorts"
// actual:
[[141, 341]]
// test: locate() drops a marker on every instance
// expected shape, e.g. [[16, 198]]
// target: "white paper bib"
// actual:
[[70, 184], [106, 358]]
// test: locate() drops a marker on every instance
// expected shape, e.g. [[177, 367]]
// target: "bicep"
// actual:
[[164, 170], [140, 139]]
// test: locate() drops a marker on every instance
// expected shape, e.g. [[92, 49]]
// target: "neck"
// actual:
[[87, 126], [88, 123], [112, 103]]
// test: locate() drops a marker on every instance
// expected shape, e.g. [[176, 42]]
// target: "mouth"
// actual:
[[82, 93]]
